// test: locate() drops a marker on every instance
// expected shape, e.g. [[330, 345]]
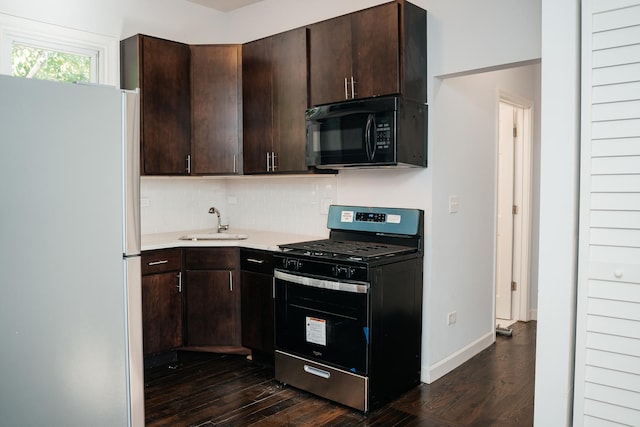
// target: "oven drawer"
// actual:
[[340, 386]]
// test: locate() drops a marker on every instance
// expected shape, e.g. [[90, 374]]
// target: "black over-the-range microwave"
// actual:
[[388, 131]]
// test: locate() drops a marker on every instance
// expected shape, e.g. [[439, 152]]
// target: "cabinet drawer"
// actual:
[[256, 261], [211, 258], [161, 261]]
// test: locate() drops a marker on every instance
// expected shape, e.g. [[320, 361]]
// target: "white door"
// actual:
[[513, 227], [504, 238]]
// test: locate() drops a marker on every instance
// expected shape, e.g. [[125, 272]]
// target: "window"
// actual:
[[49, 61], [44, 51]]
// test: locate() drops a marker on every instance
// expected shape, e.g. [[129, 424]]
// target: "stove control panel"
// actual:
[[371, 217], [375, 220], [322, 268]]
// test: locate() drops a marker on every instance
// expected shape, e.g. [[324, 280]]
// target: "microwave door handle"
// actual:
[[371, 150]]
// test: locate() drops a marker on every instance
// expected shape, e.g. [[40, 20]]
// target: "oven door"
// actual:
[[323, 320]]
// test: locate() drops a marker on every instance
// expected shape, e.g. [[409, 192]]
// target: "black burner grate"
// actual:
[[331, 247]]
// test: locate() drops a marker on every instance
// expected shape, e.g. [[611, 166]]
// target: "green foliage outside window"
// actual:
[[44, 64]]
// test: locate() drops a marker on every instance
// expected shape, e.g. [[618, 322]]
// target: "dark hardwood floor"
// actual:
[[494, 388]]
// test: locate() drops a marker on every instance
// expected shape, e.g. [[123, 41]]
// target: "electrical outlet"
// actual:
[[452, 317]]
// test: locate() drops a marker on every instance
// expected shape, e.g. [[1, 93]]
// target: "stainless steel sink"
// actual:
[[214, 236]]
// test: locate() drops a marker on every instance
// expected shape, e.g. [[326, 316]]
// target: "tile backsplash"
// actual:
[[294, 204]]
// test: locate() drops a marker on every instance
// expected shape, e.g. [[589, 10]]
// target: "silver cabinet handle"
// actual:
[[179, 276], [273, 161], [230, 281], [164, 261], [273, 287], [268, 160], [235, 164], [188, 163], [255, 261], [353, 88], [346, 88], [317, 372]]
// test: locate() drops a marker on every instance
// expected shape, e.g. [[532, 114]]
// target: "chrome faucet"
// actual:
[[220, 226]]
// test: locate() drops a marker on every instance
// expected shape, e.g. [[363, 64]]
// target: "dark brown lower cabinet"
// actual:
[[212, 297], [161, 301], [257, 300]]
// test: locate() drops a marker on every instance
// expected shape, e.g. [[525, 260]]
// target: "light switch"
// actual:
[[453, 203]]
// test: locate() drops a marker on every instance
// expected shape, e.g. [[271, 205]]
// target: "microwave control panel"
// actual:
[[383, 136]]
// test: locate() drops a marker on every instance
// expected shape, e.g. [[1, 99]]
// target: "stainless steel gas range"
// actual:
[[348, 320]]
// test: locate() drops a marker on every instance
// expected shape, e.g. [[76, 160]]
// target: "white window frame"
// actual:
[[63, 39]]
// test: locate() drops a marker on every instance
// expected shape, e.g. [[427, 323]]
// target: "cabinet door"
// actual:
[[161, 312], [212, 308], [165, 106], [257, 311], [289, 90], [376, 51], [257, 101], [330, 60], [215, 109]]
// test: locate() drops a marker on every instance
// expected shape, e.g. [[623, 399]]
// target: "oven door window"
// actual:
[[325, 325]]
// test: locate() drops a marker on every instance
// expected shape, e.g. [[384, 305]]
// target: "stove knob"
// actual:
[[343, 271], [292, 264]]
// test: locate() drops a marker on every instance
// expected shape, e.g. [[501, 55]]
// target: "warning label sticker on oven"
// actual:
[[346, 216], [316, 330]]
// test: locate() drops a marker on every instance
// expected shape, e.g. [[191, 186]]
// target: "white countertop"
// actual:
[[258, 239]]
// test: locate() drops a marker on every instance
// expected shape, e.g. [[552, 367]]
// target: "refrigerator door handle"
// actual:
[[131, 172]]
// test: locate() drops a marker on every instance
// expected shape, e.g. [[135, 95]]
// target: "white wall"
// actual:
[[291, 204], [558, 212], [173, 19]]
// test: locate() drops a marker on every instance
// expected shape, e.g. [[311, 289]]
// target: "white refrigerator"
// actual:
[[70, 300]]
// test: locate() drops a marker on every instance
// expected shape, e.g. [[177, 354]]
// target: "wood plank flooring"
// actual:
[[494, 388]]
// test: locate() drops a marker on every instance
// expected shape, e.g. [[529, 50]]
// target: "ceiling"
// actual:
[[225, 5]]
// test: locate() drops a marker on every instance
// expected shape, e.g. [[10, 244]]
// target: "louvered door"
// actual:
[[607, 375]]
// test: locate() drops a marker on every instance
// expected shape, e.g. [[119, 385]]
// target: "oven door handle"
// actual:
[[359, 288]]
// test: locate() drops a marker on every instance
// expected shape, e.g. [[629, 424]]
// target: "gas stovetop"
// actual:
[[346, 249], [364, 235]]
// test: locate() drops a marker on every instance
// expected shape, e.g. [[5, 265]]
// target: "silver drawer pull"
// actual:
[[164, 261], [255, 261], [318, 372]]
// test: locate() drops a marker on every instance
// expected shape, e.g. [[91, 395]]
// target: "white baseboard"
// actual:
[[443, 367]]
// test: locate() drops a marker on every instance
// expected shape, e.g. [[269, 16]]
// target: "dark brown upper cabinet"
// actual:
[[161, 69], [373, 52], [216, 116], [190, 105], [274, 88]]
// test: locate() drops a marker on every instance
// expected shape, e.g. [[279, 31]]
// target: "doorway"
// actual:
[[513, 224]]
